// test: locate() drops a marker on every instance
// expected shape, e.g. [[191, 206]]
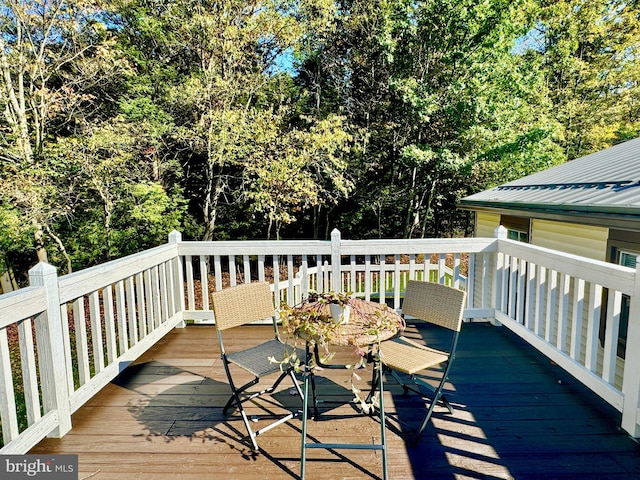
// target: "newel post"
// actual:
[[336, 260], [51, 357], [631, 380]]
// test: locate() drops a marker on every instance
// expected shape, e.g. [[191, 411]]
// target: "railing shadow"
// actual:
[[517, 415]]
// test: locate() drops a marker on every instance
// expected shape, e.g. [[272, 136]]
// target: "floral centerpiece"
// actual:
[[311, 321], [307, 321]]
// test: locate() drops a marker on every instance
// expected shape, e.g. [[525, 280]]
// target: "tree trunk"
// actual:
[[39, 243]]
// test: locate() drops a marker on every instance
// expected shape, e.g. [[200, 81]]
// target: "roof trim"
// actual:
[[627, 221], [567, 209]]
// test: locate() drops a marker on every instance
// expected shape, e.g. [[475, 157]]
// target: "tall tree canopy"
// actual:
[[588, 53], [123, 120]]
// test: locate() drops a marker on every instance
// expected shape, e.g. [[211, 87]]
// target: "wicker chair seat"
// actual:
[[255, 360], [410, 357]]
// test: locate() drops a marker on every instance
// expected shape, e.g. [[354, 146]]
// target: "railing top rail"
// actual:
[[347, 247], [21, 304], [608, 275], [417, 245], [255, 247], [90, 279]]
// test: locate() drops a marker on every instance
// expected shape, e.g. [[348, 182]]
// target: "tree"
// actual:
[[52, 53], [432, 89], [228, 98], [128, 198], [588, 52], [294, 170]]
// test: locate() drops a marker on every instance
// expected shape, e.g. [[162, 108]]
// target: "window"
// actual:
[[517, 235], [628, 259], [624, 249], [517, 227]]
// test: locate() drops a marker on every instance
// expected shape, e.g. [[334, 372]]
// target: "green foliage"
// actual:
[[234, 119], [291, 171], [588, 55]]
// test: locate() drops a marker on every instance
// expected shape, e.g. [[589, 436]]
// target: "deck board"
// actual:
[[517, 415]]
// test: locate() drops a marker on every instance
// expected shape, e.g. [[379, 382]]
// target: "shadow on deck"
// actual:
[[517, 416]]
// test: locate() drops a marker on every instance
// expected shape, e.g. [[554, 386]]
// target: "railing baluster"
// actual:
[[8, 415], [563, 312], [575, 349], [552, 286], [470, 286], [96, 331], [121, 308], [276, 278], [456, 271], [217, 272], [352, 275], [29, 373], [163, 294], [82, 349], [109, 323], [304, 279], [204, 281], [247, 268], [541, 274], [396, 282], [513, 287], [144, 301], [521, 295], [261, 276], [530, 296], [191, 298], [66, 335], [383, 279], [611, 335], [131, 311], [593, 326], [367, 277], [290, 296]]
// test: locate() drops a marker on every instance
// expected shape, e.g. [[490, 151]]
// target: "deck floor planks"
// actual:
[[517, 416]]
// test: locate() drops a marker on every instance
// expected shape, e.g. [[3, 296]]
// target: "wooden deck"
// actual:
[[518, 416]]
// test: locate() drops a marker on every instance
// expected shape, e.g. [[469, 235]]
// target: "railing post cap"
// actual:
[[43, 268], [500, 232], [175, 236]]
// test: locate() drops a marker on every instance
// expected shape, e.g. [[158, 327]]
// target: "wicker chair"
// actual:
[[438, 305], [236, 306]]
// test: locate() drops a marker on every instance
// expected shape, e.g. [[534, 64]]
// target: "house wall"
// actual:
[[486, 224], [585, 240]]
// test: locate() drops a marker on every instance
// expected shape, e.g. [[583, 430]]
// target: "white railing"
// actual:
[[67, 337], [369, 269], [570, 308], [72, 335]]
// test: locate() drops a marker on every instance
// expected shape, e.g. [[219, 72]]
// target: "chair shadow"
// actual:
[[174, 403]]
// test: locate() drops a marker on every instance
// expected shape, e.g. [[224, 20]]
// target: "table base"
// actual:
[[308, 378]]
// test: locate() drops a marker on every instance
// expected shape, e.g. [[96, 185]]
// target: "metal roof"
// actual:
[[605, 182]]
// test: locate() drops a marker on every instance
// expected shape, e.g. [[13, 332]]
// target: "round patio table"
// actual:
[[369, 324]]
